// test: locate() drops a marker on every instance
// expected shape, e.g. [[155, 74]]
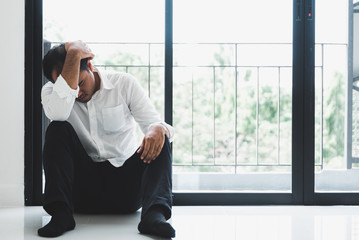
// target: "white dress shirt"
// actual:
[[105, 125]]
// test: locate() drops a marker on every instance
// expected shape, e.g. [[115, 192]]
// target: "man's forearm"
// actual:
[[71, 70]]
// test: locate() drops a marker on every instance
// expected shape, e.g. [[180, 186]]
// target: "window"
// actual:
[[260, 116], [232, 77], [335, 124]]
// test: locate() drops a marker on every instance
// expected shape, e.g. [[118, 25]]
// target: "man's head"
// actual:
[[55, 59], [53, 64]]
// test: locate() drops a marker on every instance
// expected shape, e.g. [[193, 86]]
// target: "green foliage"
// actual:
[[334, 117]]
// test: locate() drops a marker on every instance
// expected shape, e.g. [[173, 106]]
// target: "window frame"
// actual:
[[33, 108]]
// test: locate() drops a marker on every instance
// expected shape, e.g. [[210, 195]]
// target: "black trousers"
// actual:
[[99, 187]]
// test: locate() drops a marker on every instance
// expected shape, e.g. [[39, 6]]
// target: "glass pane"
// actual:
[[232, 95], [335, 96], [123, 34], [104, 21]]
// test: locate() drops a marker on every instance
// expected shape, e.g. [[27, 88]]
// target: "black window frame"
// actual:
[[303, 190], [33, 108]]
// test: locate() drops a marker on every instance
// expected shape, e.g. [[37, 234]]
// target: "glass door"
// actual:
[[232, 96], [124, 36], [336, 96]]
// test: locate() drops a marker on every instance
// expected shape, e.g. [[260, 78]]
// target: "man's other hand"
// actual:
[[152, 143]]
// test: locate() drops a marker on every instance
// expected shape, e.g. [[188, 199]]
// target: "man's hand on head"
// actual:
[[79, 47], [152, 143], [75, 51]]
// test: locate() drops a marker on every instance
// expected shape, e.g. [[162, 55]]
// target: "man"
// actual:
[[92, 162]]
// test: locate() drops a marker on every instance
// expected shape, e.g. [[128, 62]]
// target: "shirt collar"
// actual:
[[105, 82]]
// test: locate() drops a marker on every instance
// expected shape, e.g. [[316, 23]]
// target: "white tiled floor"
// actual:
[[197, 223]]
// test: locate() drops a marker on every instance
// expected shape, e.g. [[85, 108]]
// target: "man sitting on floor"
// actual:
[[92, 162]]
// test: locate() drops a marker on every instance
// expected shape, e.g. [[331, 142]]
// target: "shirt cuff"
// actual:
[[63, 89]]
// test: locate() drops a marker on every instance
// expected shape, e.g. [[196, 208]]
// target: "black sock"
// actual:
[[61, 221], [155, 223]]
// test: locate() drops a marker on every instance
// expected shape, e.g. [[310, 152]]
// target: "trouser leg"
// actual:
[[156, 184], [137, 184], [63, 153], [121, 189], [73, 178]]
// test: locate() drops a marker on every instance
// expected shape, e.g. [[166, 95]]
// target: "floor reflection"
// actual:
[[197, 223]]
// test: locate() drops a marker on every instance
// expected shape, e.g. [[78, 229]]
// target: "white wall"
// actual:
[[12, 41]]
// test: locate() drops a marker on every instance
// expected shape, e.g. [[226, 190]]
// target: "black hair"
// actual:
[[55, 59]]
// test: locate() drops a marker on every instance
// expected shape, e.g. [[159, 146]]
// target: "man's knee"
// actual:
[[166, 152], [58, 140], [57, 128], [167, 142], [166, 145]]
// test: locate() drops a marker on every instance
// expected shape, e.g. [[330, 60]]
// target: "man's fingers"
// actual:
[[157, 148], [82, 47], [152, 152], [150, 155], [91, 56], [152, 145], [141, 147], [156, 153], [147, 147], [153, 155]]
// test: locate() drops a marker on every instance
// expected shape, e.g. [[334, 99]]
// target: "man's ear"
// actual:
[[89, 65]]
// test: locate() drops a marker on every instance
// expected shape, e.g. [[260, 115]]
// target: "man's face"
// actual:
[[87, 86]]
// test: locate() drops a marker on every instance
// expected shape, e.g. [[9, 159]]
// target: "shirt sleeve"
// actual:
[[58, 99], [142, 109]]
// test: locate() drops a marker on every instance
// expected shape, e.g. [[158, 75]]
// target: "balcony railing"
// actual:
[[145, 61]]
